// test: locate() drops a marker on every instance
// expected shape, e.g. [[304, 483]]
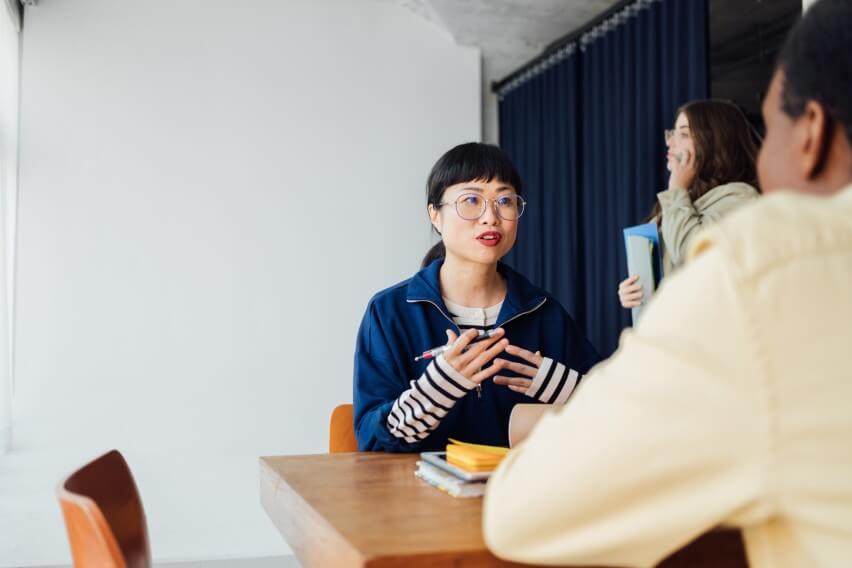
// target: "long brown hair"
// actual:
[[725, 147]]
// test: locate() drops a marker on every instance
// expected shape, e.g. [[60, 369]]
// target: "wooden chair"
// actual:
[[104, 515], [342, 430]]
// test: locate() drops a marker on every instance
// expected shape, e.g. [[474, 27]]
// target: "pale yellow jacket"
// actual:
[[731, 403]]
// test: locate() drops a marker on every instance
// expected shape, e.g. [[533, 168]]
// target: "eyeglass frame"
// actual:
[[485, 206], [669, 134]]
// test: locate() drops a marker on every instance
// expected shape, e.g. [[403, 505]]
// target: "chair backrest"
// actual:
[[341, 436], [104, 515]]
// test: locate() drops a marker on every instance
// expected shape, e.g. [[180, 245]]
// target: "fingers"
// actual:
[[534, 358], [468, 358], [484, 356], [470, 350], [674, 162], [513, 381], [630, 289], [633, 295], [451, 336], [629, 300], [629, 285], [485, 373], [519, 368], [459, 342]]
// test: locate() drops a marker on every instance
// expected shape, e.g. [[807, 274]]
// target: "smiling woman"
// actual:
[[534, 351]]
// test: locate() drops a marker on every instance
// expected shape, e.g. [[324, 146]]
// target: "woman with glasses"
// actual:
[[501, 340], [711, 157]]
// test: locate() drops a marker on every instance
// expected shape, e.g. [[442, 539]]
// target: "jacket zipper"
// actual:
[[516, 316], [437, 307]]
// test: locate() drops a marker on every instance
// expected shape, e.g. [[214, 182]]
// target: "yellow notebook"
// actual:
[[474, 457]]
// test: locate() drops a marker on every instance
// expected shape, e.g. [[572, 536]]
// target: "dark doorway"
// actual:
[[745, 37]]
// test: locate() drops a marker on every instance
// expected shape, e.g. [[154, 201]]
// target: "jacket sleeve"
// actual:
[[661, 443], [392, 412], [555, 380], [682, 221]]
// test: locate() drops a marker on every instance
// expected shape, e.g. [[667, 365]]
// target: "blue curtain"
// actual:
[[541, 138], [586, 134]]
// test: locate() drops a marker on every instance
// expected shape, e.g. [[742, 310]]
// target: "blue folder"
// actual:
[[650, 232]]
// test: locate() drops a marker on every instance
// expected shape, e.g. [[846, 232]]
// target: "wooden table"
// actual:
[[369, 510]]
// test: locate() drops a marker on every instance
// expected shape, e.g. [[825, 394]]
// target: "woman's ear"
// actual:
[[435, 217]]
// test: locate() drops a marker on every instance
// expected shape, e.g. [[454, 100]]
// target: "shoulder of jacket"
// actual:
[[775, 229], [390, 296], [737, 188], [728, 194]]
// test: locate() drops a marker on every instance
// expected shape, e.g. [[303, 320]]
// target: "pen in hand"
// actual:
[[434, 352]]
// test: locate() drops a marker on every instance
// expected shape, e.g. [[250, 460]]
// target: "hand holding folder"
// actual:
[[642, 244]]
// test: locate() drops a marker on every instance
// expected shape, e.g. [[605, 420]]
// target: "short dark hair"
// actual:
[[473, 161], [817, 62]]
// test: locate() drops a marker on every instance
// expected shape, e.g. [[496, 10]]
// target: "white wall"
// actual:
[[9, 82], [210, 193]]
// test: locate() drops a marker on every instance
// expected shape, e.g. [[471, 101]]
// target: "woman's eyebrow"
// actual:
[[480, 190], [683, 126]]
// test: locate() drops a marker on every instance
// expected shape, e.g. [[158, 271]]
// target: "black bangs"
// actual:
[[470, 162]]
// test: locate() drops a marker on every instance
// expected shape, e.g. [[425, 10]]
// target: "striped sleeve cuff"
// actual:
[[420, 409], [553, 383]]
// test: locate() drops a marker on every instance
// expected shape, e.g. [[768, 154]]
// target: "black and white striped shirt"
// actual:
[[420, 409]]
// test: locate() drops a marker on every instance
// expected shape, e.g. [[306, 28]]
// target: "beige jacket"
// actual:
[[730, 403], [683, 219]]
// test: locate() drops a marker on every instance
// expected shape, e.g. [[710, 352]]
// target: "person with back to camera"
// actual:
[[734, 410], [532, 350], [711, 156]]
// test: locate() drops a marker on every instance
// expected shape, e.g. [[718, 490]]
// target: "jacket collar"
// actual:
[[521, 296]]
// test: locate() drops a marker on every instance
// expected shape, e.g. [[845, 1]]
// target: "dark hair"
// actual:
[[817, 63], [467, 162], [725, 146]]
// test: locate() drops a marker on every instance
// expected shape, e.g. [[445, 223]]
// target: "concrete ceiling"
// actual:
[[508, 32]]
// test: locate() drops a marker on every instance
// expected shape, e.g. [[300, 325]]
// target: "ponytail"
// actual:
[[437, 251]]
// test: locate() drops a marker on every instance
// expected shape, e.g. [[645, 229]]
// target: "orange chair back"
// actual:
[[104, 515], [342, 430]]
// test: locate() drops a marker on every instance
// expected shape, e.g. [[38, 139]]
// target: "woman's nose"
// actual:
[[490, 216]]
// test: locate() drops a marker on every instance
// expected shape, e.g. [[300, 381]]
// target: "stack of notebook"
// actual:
[[462, 470]]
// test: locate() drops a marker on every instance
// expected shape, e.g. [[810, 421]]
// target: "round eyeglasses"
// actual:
[[471, 206]]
